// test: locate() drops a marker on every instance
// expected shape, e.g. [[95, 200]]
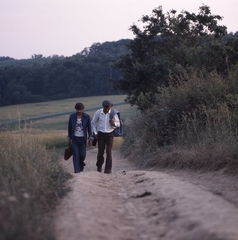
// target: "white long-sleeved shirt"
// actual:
[[100, 122]]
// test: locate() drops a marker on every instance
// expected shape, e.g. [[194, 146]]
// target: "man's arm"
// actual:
[[89, 128], [69, 129], [94, 122], [115, 122]]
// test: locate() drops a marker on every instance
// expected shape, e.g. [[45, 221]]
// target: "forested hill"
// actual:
[[57, 77]]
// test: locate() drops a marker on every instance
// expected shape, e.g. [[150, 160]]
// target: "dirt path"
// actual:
[[131, 204]]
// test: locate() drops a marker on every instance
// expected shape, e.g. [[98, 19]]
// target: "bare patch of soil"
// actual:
[[134, 204]]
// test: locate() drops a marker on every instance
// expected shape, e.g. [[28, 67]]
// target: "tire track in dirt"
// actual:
[[131, 204]]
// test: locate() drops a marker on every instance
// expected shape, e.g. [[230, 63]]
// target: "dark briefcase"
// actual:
[[68, 152]]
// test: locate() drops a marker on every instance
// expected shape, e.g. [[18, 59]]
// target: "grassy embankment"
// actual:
[[193, 125], [32, 179]]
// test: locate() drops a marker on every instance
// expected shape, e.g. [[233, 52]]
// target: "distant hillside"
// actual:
[[43, 79], [36, 59]]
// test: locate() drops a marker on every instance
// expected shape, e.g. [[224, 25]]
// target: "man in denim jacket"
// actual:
[[79, 129]]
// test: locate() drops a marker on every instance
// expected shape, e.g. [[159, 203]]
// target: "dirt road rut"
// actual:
[[131, 204]]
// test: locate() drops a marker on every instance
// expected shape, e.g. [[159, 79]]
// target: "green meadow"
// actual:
[[35, 109], [49, 120], [53, 115]]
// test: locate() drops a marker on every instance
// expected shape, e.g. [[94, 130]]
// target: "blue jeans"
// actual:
[[79, 153]]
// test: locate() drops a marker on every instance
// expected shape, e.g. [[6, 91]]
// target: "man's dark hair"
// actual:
[[79, 106]]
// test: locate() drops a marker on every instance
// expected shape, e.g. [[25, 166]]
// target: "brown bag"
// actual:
[[68, 152]]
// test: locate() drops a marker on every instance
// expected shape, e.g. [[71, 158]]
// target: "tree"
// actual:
[[36, 56], [165, 41], [232, 51]]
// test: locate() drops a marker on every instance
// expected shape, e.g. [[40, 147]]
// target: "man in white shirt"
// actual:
[[102, 128]]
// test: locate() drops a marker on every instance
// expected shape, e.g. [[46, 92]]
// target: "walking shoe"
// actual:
[[99, 169], [82, 164]]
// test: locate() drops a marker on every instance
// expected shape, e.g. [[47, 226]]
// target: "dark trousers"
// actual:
[[105, 141], [79, 153]]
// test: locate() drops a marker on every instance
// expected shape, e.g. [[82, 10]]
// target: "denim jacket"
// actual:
[[86, 126]]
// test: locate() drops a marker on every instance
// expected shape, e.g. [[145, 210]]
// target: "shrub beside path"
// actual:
[[134, 204]]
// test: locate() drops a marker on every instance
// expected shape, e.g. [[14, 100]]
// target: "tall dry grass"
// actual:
[[193, 125], [213, 146], [31, 183]]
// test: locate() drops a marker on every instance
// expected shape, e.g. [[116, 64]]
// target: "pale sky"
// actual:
[[66, 27]]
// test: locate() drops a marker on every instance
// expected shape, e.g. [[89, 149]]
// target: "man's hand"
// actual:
[[112, 122], [90, 142]]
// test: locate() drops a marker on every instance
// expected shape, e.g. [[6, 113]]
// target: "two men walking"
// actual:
[[101, 128]]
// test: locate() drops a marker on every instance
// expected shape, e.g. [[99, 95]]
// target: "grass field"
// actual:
[[65, 107], [34, 109], [60, 122], [53, 129]]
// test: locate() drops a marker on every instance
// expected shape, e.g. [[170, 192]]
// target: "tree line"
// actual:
[[136, 67], [43, 79]]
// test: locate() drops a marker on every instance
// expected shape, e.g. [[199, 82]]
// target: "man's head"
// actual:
[[106, 105], [79, 107]]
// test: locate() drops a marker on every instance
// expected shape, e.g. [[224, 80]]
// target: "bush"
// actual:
[[193, 124]]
